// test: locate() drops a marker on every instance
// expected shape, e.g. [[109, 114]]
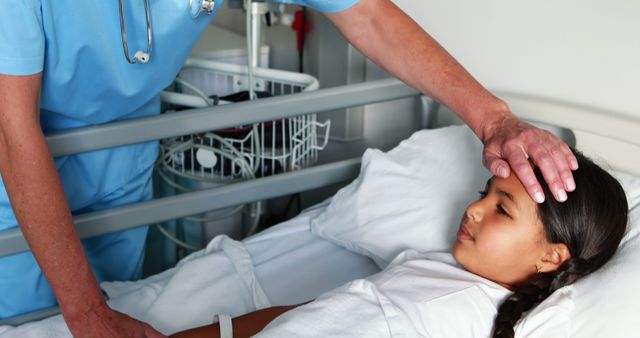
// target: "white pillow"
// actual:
[[631, 186], [607, 302], [411, 197]]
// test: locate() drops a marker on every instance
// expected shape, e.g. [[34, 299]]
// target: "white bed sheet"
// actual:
[[291, 266]]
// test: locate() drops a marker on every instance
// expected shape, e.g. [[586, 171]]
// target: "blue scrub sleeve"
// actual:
[[325, 6], [21, 37]]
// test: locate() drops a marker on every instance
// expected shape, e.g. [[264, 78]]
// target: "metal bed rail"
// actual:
[[226, 116], [204, 119]]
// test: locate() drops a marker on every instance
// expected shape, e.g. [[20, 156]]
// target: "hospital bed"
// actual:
[[287, 263]]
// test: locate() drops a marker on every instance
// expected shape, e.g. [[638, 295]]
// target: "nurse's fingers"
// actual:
[[555, 161], [543, 159], [505, 151], [518, 159], [496, 165], [565, 161]]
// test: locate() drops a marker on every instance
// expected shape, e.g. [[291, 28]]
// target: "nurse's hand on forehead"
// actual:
[[510, 143]]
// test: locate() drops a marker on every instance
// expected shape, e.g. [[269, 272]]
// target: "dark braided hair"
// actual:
[[591, 223]]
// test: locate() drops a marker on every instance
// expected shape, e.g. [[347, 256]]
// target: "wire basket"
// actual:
[[246, 151]]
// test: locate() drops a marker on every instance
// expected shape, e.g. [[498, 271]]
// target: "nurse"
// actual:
[[66, 64]]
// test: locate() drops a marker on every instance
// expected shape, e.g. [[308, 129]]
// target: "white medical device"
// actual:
[[196, 7]]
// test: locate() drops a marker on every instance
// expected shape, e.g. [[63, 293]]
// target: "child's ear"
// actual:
[[555, 254]]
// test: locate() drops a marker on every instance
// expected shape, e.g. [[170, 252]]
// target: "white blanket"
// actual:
[[218, 279], [291, 264]]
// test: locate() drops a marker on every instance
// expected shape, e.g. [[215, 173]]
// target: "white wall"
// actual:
[[585, 51]]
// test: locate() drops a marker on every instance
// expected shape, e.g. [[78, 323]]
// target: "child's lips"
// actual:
[[463, 234]]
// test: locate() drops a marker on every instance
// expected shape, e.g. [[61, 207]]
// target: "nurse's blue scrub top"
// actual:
[[87, 81]]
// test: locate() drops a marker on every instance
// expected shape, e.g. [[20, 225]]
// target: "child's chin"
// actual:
[[456, 251]]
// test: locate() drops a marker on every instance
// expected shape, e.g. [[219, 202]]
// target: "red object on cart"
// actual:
[[301, 26]]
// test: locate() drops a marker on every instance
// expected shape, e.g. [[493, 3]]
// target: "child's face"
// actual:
[[501, 237]]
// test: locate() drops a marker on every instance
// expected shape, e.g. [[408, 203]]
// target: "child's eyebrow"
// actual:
[[509, 196], [499, 191]]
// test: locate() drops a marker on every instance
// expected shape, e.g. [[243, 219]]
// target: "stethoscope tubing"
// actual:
[[140, 56]]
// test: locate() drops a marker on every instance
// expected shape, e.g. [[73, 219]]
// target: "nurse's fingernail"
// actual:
[[574, 165], [571, 185], [562, 195], [502, 172], [538, 197]]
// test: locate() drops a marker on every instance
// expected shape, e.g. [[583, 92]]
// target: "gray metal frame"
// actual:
[[199, 120]]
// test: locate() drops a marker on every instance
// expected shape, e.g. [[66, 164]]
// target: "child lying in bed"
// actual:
[[511, 254]]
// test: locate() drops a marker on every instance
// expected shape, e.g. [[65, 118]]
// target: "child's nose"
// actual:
[[475, 212]]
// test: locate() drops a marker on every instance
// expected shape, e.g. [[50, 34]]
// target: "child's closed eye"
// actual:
[[502, 211]]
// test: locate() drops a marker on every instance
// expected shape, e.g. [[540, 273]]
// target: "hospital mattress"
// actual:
[[285, 264]]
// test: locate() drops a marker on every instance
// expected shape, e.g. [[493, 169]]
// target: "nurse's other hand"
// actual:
[[109, 323], [510, 143]]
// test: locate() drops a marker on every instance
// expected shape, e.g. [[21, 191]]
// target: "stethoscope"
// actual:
[[196, 7]]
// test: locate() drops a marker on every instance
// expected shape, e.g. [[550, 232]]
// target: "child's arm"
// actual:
[[243, 326]]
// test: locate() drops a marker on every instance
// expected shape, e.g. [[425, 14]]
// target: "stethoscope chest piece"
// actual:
[[197, 7]]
